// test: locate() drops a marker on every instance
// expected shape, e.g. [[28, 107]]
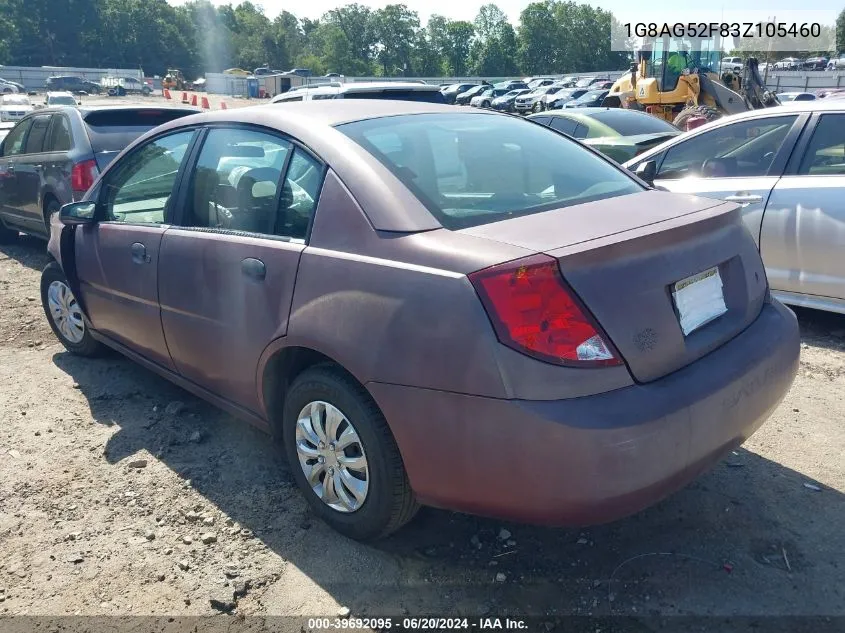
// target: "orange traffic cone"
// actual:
[[166, 93], [184, 97], [194, 100], [205, 105], [223, 105]]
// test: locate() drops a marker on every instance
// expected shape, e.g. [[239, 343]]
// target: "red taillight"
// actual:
[[534, 312], [83, 175]]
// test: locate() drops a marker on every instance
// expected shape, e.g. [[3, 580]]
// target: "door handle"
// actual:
[[254, 268], [744, 198], [139, 253]]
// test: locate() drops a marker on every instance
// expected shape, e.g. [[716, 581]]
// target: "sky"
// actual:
[[645, 10]]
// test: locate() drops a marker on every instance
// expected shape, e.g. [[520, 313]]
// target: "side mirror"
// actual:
[[647, 171], [78, 213]]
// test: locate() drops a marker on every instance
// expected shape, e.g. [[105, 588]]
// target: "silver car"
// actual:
[[786, 167]]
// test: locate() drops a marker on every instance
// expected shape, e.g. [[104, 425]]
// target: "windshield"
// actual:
[[63, 100], [514, 93], [583, 83], [631, 123], [474, 169], [15, 100]]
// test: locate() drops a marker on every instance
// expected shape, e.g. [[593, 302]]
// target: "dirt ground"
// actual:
[[122, 494]]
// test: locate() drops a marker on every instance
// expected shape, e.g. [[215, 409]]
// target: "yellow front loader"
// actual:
[[680, 81]]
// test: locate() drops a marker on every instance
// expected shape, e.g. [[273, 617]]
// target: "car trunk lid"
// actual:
[[623, 256]]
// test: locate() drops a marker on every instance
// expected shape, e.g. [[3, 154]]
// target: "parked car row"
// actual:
[[524, 96], [292, 263], [818, 62]]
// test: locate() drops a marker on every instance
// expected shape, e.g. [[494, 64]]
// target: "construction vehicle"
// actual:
[[678, 79], [173, 80]]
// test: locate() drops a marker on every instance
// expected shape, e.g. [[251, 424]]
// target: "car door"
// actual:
[[29, 172], [13, 146], [804, 225], [739, 162], [117, 257], [228, 269]]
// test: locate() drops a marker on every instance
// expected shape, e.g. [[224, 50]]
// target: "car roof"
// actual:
[[818, 105]]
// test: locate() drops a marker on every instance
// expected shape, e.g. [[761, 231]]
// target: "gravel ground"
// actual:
[[122, 494]]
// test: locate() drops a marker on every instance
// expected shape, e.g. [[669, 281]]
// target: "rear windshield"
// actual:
[[631, 123], [68, 100], [112, 130], [426, 96], [471, 169]]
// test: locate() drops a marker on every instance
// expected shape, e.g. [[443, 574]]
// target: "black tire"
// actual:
[[52, 207], [537, 107], [389, 503], [87, 346], [711, 114], [7, 235]]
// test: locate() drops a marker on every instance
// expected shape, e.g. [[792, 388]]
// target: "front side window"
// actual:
[[826, 154], [742, 149], [139, 188], [13, 144], [237, 179], [475, 168]]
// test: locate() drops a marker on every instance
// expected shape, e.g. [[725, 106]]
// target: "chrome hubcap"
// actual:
[[65, 312], [332, 456]]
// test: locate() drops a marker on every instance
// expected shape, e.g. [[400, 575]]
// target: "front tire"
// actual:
[[711, 114], [344, 457], [65, 315], [7, 235]]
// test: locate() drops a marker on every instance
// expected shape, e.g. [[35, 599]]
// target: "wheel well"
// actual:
[[280, 372], [48, 197]]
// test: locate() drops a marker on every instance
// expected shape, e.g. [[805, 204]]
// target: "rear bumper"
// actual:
[[593, 459]]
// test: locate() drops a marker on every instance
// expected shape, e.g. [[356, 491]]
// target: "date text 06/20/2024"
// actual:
[[417, 624]]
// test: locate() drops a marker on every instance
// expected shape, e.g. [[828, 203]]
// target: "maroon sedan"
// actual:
[[429, 305]]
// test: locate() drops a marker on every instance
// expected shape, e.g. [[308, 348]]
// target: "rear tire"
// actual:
[[711, 114], [64, 314], [388, 502]]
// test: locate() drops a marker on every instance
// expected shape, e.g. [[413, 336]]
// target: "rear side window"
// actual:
[[424, 96], [565, 125], [631, 123], [237, 179], [35, 140], [113, 130], [826, 154], [59, 139], [475, 168]]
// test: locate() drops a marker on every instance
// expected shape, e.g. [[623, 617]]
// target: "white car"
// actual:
[[787, 63], [837, 63], [733, 64], [14, 107], [60, 99]]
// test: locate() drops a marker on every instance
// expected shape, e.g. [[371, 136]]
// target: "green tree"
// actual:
[[459, 41], [840, 32], [538, 38], [396, 27], [493, 52]]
